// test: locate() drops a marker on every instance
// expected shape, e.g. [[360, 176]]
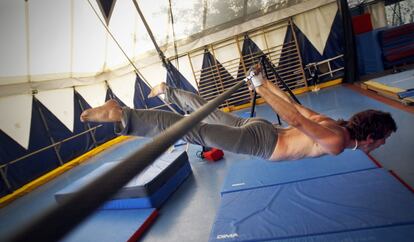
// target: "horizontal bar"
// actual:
[[58, 220]]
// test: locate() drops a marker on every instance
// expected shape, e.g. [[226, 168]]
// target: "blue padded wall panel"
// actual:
[[369, 53]]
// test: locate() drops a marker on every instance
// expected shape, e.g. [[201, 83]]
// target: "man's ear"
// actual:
[[369, 139]]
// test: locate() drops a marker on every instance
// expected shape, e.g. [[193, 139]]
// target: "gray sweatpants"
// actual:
[[252, 136]]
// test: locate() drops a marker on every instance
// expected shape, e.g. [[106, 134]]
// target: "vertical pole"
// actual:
[[192, 69], [6, 181], [302, 72], [219, 76], [95, 144], [52, 140]]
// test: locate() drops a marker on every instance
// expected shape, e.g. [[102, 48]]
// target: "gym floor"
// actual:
[[189, 213]]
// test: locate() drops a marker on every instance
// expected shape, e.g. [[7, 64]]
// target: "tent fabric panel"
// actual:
[[74, 147], [219, 12], [13, 46], [333, 48], [276, 37], [324, 17], [181, 21], [94, 95], [23, 171], [258, 22], [123, 88], [141, 100], [60, 103], [197, 63], [153, 74], [17, 123], [49, 40], [88, 52], [176, 79], [184, 67], [230, 55], [124, 33], [157, 17], [260, 41]]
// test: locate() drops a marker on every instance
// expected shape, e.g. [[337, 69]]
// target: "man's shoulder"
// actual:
[[320, 118]]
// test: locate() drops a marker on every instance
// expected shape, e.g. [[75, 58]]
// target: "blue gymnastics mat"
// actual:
[[336, 204], [155, 200], [403, 80], [248, 174], [113, 226], [148, 189]]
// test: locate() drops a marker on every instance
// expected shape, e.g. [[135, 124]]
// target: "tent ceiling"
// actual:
[[50, 44]]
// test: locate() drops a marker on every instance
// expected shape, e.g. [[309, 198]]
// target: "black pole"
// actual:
[[262, 62], [278, 78], [58, 220], [253, 104], [350, 56]]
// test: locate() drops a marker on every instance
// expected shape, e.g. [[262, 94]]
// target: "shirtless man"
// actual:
[[309, 134]]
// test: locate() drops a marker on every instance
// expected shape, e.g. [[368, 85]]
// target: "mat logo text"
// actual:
[[227, 236]]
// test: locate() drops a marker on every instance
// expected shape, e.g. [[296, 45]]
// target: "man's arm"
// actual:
[[308, 113], [331, 140]]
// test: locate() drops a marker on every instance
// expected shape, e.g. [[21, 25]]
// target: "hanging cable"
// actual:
[[126, 56], [173, 32], [166, 63]]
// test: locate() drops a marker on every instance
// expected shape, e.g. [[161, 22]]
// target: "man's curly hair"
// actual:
[[369, 122]]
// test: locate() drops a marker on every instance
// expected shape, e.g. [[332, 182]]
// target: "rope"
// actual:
[[125, 54], [58, 220]]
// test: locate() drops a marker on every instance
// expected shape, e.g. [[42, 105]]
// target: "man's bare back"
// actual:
[[293, 144]]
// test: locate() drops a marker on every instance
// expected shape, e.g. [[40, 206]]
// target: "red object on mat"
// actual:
[[213, 154], [362, 23]]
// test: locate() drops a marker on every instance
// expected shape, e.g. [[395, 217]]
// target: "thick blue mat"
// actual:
[[248, 174], [343, 203], [148, 189], [156, 199], [112, 226], [403, 80]]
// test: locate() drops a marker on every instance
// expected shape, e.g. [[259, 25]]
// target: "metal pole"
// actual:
[[280, 79], [58, 220]]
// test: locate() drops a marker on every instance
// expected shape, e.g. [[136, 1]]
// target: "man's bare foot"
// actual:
[[158, 90], [109, 112]]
